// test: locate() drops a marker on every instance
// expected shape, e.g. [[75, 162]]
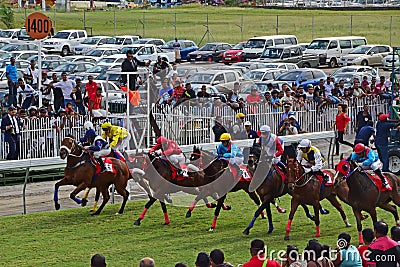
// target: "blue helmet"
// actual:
[[90, 134]]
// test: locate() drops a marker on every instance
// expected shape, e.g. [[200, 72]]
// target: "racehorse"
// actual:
[[364, 195], [81, 172], [307, 189]]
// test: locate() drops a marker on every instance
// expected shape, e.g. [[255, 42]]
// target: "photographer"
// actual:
[[288, 128]]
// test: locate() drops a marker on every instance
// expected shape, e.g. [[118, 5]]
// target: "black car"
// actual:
[[209, 52]]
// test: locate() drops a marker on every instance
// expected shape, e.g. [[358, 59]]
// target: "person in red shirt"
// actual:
[[257, 251], [341, 122], [95, 105], [368, 237], [252, 100], [90, 89]]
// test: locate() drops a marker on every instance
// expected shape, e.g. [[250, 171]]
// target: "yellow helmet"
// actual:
[[106, 125], [240, 115], [225, 137]]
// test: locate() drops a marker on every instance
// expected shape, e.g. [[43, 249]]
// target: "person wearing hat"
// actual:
[[288, 128], [251, 134], [229, 151], [43, 113], [98, 146], [287, 109], [118, 136], [275, 101], [314, 160], [32, 112], [11, 126], [238, 129], [270, 145], [383, 127]]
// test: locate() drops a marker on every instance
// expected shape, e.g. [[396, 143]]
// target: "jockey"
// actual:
[[170, 150], [313, 157], [119, 137], [99, 146], [369, 159], [229, 151], [271, 145]]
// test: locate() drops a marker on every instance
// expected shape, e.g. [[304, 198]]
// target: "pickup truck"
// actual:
[[145, 52], [64, 41], [288, 54]]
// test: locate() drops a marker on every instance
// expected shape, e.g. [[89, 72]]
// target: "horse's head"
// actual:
[[196, 154], [344, 168], [294, 172], [69, 147]]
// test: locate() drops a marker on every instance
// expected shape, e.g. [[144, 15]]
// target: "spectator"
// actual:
[[204, 100], [330, 92], [368, 237], [177, 50], [147, 262], [176, 94], [275, 101], [27, 96], [341, 88], [43, 113], [300, 93], [395, 233], [314, 255], [383, 250], [238, 129], [365, 134], [292, 258], [310, 93], [251, 134], [98, 260], [218, 128], [381, 90], [173, 72], [11, 127], [287, 98], [12, 79], [77, 97], [203, 260], [32, 112], [289, 128], [346, 98], [47, 94], [165, 93], [31, 75], [358, 91], [258, 257], [57, 92], [189, 93], [95, 108], [348, 255], [319, 93], [383, 127], [233, 97], [90, 88], [66, 86], [342, 121], [287, 110], [364, 82], [217, 259], [181, 264], [130, 64], [69, 108], [363, 116], [161, 68], [5, 103]]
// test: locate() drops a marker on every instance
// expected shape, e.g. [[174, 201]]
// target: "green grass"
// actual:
[[71, 237], [223, 23]]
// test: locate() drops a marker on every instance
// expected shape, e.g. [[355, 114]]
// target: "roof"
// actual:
[[272, 36], [340, 38]]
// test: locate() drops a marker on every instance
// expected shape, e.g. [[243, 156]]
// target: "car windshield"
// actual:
[[319, 44], [141, 41], [134, 49], [255, 43], [95, 53], [201, 78], [107, 60], [9, 55], [208, 47], [289, 76], [271, 52], [90, 41], [97, 69], [360, 50], [168, 45], [61, 35], [10, 47], [111, 77], [254, 75], [6, 34], [65, 68], [238, 46]]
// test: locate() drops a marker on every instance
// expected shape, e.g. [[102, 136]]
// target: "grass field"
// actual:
[[224, 23], [71, 237]]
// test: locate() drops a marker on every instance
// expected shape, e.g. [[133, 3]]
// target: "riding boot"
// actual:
[[101, 163], [281, 166], [379, 173]]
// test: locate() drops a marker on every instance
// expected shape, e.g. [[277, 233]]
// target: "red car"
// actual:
[[234, 54]]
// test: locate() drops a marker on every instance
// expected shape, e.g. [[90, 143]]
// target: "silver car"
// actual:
[[387, 62], [366, 55]]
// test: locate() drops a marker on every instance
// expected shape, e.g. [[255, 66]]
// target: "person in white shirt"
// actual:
[[31, 75], [329, 87], [47, 93], [27, 96], [66, 86]]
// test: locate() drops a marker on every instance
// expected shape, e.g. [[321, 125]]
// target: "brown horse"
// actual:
[[306, 189], [80, 172], [365, 196]]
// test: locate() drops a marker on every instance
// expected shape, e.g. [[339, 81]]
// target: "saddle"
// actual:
[[377, 181], [108, 164], [175, 176], [329, 182], [244, 176], [281, 173], [116, 154]]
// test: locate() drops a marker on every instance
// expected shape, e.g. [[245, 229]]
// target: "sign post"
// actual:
[[38, 26]]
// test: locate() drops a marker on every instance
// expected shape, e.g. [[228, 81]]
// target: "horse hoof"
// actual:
[[117, 213], [348, 225], [211, 206], [270, 230], [281, 210], [188, 214], [286, 238], [166, 223], [137, 222], [95, 213], [317, 235], [311, 217], [227, 208], [263, 217], [92, 210], [324, 211], [57, 206], [246, 231], [211, 229], [84, 202], [364, 217]]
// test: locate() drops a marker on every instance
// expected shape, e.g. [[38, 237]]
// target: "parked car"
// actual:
[[19, 55], [9, 35], [76, 58], [301, 77], [210, 52], [90, 43], [154, 41], [348, 77], [187, 46], [49, 65], [284, 66], [112, 60], [4, 80], [264, 74], [71, 68], [234, 54], [366, 55], [63, 42], [121, 40], [353, 69], [241, 70], [223, 80], [387, 62], [21, 64], [25, 46], [102, 52], [184, 72]]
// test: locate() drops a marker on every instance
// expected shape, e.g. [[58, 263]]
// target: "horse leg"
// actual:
[[209, 204], [146, 207], [307, 212], [358, 215], [278, 208], [220, 203], [191, 207], [256, 214], [96, 201], [62, 182], [78, 189], [294, 204], [256, 200], [322, 210], [125, 194], [164, 209], [317, 222], [106, 197], [269, 215], [335, 202], [392, 209], [85, 196]]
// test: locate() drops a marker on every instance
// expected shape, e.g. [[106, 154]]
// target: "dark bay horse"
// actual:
[[365, 196], [80, 171], [306, 189]]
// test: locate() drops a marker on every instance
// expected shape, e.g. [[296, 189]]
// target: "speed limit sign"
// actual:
[[38, 25]]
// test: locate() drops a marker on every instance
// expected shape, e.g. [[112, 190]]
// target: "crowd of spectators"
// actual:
[[377, 250]]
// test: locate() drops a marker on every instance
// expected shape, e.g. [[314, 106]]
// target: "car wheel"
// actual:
[[333, 63], [64, 51], [364, 63], [394, 162]]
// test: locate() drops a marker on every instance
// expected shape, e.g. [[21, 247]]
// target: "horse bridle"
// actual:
[[297, 170], [71, 150]]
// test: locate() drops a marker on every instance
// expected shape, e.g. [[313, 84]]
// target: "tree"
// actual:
[[7, 16]]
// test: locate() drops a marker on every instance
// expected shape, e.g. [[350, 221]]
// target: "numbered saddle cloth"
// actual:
[[108, 166], [245, 175]]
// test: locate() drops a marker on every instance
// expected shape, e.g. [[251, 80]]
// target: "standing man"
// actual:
[[90, 89], [363, 116], [31, 75], [177, 51], [12, 77], [218, 128], [11, 127], [130, 64], [27, 96], [66, 86], [383, 127]]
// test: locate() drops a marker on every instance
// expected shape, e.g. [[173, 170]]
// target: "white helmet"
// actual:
[[88, 125], [265, 129], [304, 143], [247, 123]]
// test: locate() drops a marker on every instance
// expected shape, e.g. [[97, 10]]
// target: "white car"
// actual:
[[356, 69], [65, 41], [102, 52], [19, 55], [387, 62], [122, 40], [10, 35], [112, 60], [264, 74], [366, 55], [90, 43]]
